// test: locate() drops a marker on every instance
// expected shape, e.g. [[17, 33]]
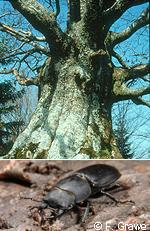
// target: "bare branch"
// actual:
[[57, 8], [137, 72], [3, 15], [31, 36], [26, 37], [142, 21], [44, 22], [120, 60], [140, 101], [118, 8], [17, 52], [20, 78], [27, 54], [146, 79]]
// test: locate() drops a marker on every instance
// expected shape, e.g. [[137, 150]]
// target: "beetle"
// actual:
[[79, 187]]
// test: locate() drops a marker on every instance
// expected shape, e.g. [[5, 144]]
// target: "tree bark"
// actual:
[[71, 119]]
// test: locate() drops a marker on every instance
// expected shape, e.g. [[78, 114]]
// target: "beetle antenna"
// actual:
[[29, 198]]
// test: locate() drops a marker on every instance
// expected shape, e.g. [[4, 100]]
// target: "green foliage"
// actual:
[[9, 125]]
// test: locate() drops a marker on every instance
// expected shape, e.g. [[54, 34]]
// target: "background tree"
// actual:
[[10, 126], [14, 106], [79, 82], [130, 124], [122, 131]]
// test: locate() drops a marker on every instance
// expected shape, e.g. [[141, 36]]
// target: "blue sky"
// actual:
[[138, 116]]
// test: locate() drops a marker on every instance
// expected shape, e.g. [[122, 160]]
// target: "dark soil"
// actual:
[[32, 179]]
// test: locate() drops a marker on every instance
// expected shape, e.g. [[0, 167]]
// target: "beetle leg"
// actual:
[[116, 200], [110, 196], [114, 186], [60, 212], [86, 212]]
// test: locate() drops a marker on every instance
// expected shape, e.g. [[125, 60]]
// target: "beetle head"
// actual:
[[58, 198]]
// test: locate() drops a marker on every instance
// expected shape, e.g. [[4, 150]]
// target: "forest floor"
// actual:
[[24, 179]]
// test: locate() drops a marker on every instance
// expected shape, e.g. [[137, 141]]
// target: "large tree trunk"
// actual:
[[73, 115], [67, 124]]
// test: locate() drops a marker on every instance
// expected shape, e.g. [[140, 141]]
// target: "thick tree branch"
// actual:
[[82, 7], [139, 92], [137, 71], [124, 75], [120, 89], [142, 21], [91, 13], [118, 8], [22, 80], [73, 12], [122, 92], [140, 101], [44, 22], [91, 21]]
